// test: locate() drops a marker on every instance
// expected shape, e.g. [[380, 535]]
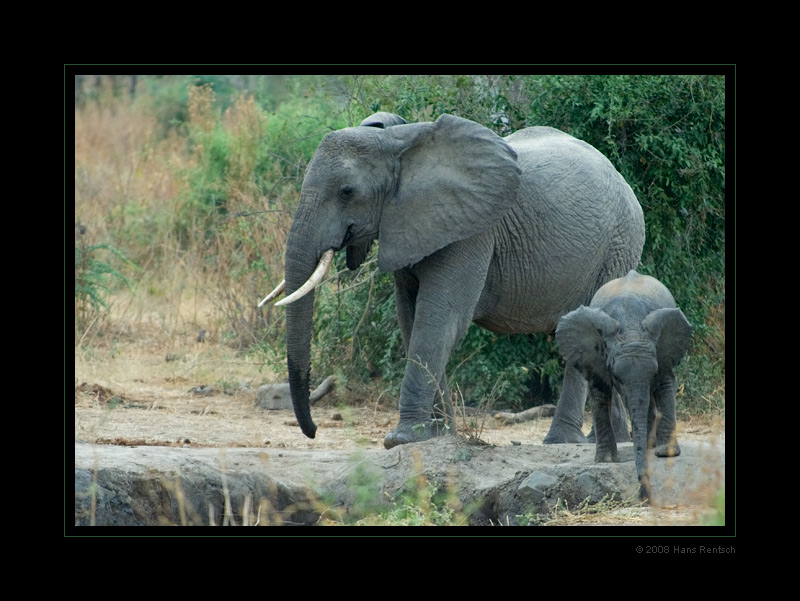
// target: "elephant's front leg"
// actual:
[[406, 288], [417, 400], [450, 283], [664, 389], [436, 331]]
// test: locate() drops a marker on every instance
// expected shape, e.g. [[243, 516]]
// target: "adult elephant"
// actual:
[[511, 233]]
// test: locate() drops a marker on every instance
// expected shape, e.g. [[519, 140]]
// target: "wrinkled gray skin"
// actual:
[[627, 342], [511, 233]]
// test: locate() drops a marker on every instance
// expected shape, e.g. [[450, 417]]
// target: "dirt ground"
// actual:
[[132, 395], [168, 414]]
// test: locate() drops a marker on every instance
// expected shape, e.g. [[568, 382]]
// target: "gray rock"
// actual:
[[126, 486], [536, 486], [274, 396]]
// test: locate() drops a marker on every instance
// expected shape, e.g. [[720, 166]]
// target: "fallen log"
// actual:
[[506, 418], [320, 391]]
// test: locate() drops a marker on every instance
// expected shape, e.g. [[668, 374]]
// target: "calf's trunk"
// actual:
[[639, 405]]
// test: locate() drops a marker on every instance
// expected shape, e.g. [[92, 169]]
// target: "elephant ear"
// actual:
[[671, 333], [455, 179], [383, 120], [581, 336]]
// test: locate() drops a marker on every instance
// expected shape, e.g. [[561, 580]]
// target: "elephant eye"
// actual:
[[346, 192]]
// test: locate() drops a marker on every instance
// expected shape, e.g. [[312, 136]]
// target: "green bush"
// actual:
[[96, 277], [514, 371], [356, 330], [717, 517]]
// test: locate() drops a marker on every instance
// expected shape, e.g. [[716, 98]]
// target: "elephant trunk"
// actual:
[[299, 317], [300, 264], [639, 404]]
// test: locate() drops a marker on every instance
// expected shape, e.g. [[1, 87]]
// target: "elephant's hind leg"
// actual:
[[568, 419]]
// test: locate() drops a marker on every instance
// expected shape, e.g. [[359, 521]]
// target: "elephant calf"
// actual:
[[628, 340]]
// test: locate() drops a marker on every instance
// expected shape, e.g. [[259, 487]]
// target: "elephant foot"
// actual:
[[606, 454], [668, 450], [406, 433], [563, 433]]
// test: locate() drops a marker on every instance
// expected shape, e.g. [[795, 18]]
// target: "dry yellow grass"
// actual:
[[136, 191]]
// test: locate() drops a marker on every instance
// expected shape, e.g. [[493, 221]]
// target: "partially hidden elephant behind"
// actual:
[[511, 233], [627, 342]]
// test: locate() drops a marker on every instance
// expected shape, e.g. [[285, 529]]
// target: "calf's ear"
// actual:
[[671, 333], [581, 336]]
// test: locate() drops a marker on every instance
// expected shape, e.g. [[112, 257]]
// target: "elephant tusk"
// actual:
[[312, 282], [274, 294]]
